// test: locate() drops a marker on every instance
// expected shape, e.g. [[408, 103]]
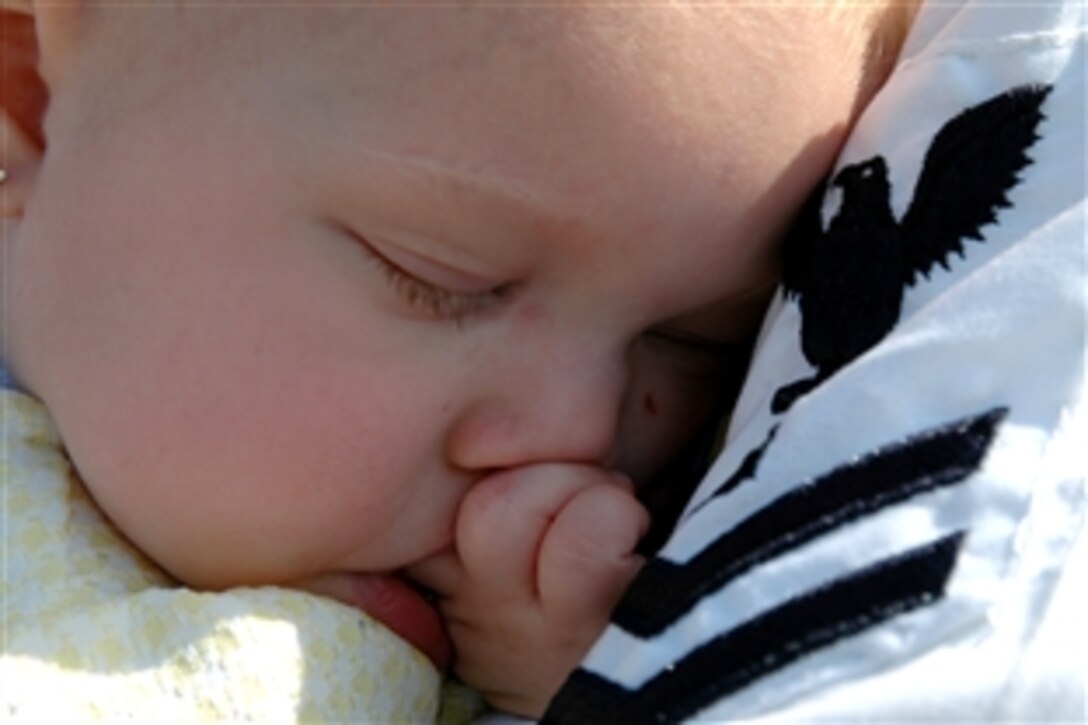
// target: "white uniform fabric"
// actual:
[[895, 529]]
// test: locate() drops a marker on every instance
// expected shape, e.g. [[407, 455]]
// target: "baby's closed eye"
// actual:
[[430, 287]]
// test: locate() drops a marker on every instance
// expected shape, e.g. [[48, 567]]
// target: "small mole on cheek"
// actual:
[[649, 405]]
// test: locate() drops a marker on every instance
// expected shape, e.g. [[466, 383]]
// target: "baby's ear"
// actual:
[[23, 99]]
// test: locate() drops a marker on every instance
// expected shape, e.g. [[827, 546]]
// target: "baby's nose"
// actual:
[[559, 406]]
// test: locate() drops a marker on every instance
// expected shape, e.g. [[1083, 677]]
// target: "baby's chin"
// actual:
[[391, 600]]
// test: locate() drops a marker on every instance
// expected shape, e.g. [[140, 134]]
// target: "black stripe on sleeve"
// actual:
[[940, 457], [767, 643]]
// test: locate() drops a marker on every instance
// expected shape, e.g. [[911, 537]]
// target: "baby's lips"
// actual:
[[396, 604], [399, 606]]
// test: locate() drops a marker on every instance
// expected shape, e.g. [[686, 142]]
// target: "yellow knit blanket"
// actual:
[[92, 629]]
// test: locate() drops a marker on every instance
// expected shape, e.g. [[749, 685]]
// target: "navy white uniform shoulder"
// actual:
[[896, 527]]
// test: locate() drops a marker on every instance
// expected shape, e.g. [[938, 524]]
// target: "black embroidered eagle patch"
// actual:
[[849, 279]]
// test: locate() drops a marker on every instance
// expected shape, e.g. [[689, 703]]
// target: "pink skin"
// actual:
[[543, 553], [194, 286]]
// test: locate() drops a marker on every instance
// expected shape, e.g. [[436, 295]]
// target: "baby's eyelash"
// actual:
[[430, 299], [435, 301]]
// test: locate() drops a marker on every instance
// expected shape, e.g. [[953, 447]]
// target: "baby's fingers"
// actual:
[[503, 521], [587, 557]]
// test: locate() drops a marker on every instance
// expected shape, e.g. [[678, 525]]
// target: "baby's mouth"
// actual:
[[405, 608]]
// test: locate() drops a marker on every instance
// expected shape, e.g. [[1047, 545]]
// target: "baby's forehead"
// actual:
[[691, 60], [655, 122], [457, 36]]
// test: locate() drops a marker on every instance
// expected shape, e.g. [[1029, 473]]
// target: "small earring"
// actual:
[[3, 175]]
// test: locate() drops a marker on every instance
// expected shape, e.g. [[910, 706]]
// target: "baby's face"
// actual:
[[292, 280]]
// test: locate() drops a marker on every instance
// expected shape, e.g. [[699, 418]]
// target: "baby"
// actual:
[[360, 301]]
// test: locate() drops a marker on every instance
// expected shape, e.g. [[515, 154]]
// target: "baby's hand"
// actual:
[[543, 553]]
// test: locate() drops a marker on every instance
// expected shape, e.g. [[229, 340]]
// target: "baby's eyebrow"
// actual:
[[519, 201], [464, 220], [513, 219]]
